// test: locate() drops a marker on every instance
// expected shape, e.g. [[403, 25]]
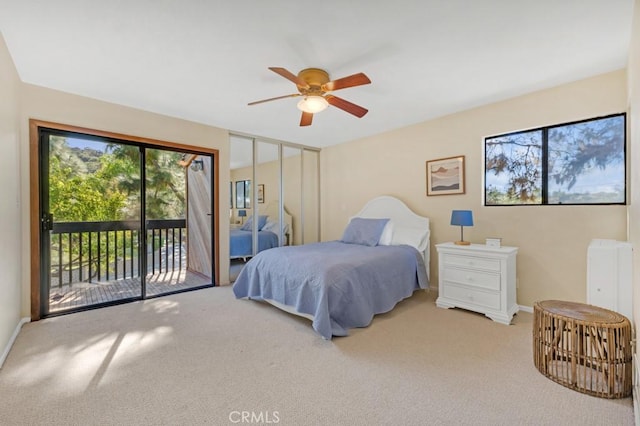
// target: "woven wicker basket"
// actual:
[[583, 347]]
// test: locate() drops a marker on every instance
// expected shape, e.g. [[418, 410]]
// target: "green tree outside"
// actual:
[[89, 185]]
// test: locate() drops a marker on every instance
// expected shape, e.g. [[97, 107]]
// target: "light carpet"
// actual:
[[205, 358]]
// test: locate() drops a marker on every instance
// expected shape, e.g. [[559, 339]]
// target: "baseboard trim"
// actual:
[[525, 309], [13, 338]]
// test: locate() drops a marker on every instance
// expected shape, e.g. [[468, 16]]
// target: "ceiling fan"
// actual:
[[314, 85]]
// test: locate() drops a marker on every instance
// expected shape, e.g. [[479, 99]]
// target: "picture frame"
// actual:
[[445, 176], [261, 193]]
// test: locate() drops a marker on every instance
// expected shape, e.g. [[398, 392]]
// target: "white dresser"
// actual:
[[478, 278]]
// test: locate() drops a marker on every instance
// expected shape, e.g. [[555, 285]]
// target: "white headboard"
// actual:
[[403, 219], [273, 211]]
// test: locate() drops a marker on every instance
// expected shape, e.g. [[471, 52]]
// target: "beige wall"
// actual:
[[10, 205], [552, 240], [633, 79], [50, 105]]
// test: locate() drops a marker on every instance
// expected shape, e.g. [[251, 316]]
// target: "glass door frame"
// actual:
[[36, 218]]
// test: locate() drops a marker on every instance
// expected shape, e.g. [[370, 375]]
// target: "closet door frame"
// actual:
[[255, 140]]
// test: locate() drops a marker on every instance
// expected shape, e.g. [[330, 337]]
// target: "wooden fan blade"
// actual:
[[350, 81], [293, 95], [306, 119], [347, 106], [290, 76]]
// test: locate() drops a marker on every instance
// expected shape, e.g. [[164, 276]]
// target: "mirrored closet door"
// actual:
[[270, 183]]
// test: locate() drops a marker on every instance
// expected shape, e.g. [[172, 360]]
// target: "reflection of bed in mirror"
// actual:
[[241, 241]]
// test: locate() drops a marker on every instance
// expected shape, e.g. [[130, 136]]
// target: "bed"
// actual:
[[241, 240], [381, 259]]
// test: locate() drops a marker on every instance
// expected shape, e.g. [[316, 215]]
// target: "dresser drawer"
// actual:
[[479, 278], [471, 296], [474, 262], [473, 278]]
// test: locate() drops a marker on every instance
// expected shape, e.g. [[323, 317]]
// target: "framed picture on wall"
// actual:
[[445, 176], [261, 193]]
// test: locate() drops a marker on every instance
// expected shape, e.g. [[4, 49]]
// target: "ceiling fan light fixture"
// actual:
[[313, 84], [313, 104]]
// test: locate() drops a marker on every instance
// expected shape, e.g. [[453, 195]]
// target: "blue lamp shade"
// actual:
[[462, 218], [242, 214]]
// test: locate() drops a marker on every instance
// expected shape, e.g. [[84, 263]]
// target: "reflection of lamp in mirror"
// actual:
[[197, 165], [242, 214], [462, 218]]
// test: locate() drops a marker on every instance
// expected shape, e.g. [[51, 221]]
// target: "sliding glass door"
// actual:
[[120, 221], [179, 248]]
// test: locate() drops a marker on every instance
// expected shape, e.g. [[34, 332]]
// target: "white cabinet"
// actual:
[[478, 278], [610, 276]]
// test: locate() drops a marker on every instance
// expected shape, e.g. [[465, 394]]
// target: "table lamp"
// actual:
[[242, 214], [462, 218]]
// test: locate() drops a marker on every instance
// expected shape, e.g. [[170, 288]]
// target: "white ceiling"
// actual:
[[205, 60]]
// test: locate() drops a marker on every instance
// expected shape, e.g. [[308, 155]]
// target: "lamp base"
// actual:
[[462, 243]]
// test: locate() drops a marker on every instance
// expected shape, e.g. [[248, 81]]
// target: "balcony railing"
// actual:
[[104, 251]]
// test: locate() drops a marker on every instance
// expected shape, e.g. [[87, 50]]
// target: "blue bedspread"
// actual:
[[341, 285], [241, 244]]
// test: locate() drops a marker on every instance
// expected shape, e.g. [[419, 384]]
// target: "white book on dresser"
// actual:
[[479, 278]]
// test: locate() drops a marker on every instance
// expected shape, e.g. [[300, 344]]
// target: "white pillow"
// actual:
[[415, 237], [387, 235], [270, 226]]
